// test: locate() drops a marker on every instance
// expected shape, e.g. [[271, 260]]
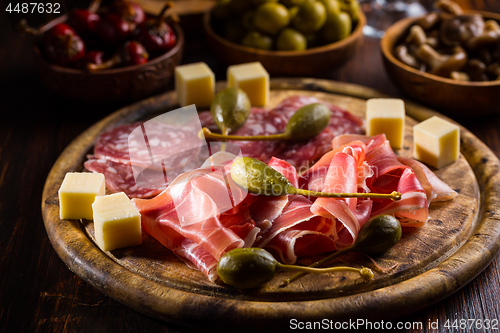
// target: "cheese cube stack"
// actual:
[[436, 142], [253, 79], [117, 222], [386, 115], [194, 84], [77, 193]]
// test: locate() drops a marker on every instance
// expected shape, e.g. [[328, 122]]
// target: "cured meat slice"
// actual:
[[205, 207], [119, 177], [147, 144], [435, 188], [390, 175]]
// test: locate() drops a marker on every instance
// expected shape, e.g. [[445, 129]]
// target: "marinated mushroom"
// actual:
[[458, 30], [476, 69], [449, 7], [494, 70], [442, 65], [402, 54], [441, 43], [483, 40], [416, 36], [459, 76], [428, 21]]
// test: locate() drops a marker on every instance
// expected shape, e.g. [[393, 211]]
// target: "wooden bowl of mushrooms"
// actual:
[[448, 59]]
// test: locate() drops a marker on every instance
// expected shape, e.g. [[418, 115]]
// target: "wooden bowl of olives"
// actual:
[[104, 64], [458, 74], [289, 37]]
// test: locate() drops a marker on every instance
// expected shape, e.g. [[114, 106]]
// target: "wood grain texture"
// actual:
[[38, 293], [432, 262]]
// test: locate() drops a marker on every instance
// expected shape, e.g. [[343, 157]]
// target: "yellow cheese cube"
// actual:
[[436, 142], [386, 115], [117, 222], [253, 79], [77, 193], [194, 84]]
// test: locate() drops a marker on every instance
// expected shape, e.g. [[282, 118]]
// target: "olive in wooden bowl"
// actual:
[[453, 72], [113, 85], [270, 47]]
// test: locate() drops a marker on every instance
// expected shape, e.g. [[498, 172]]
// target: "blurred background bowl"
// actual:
[[117, 85], [455, 98], [289, 63]]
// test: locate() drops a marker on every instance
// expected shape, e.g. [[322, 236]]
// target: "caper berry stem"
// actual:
[[209, 135], [364, 272], [394, 196], [318, 263]]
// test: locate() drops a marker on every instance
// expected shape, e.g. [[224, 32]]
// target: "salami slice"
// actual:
[[119, 177], [148, 145]]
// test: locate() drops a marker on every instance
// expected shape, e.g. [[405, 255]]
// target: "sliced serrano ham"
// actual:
[[205, 207]]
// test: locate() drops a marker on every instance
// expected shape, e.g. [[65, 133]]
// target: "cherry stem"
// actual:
[[115, 60], [165, 12], [94, 6], [23, 25]]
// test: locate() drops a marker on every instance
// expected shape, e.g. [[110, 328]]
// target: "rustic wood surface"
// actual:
[[39, 293], [423, 253]]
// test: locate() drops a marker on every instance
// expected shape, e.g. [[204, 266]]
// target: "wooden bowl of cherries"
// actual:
[[110, 54]]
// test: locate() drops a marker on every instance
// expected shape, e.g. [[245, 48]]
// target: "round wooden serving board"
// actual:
[[457, 243]]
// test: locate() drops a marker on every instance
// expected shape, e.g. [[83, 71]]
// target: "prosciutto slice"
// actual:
[[204, 207], [297, 231]]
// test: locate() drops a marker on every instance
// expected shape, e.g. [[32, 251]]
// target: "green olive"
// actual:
[[332, 7], [308, 121], [310, 17], [271, 17], [257, 40], [337, 27], [292, 3], [292, 11], [378, 235], [351, 7], [259, 178], [291, 40], [230, 109], [260, 2], [246, 268], [247, 20]]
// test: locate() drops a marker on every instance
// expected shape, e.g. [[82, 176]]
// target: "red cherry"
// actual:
[[93, 57], [155, 34], [83, 21], [63, 46], [113, 29], [133, 53], [129, 54], [130, 11]]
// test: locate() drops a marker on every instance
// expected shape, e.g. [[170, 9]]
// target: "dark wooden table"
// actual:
[[39, 293]]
